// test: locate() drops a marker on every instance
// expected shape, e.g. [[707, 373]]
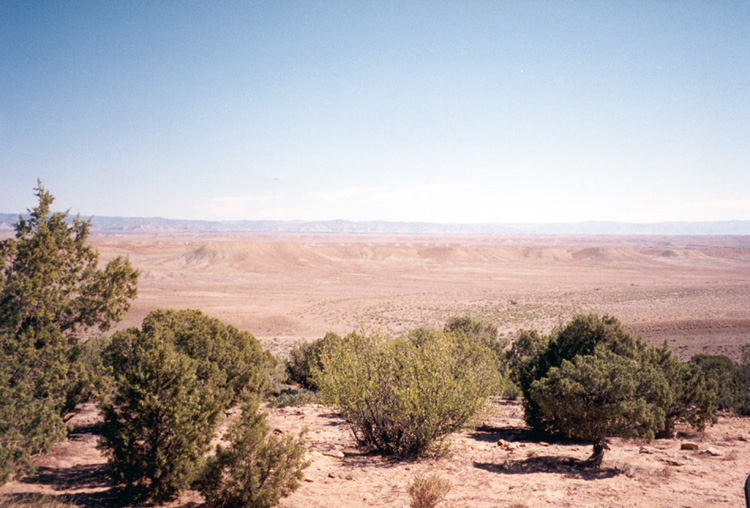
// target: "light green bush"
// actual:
[[404, 396], [304, 358]]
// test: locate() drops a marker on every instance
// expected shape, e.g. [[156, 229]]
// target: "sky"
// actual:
[[438, 111]]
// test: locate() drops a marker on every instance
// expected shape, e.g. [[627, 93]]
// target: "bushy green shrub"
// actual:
[[524, 347], [592, 380], [232, 359], [404, 396], [599, 395], [160, 419], [483, 333], [304, 358], [256, 469], [732, 381], [692, 396], [220, 349]]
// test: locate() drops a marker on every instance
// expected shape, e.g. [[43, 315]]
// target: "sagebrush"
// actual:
[[404, 396]]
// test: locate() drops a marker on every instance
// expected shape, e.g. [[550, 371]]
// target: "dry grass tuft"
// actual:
[[34, 500], [428, 491]]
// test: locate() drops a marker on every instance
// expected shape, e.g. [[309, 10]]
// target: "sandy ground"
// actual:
[[692, 291]]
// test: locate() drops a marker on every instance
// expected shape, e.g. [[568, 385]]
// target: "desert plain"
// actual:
[[692, 291]]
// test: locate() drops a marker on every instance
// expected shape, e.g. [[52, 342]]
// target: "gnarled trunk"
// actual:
[[595, 461]]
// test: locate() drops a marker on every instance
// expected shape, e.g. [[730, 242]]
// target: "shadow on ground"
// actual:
[[491, 434], [87, 476], [547, 464], [111, 498]]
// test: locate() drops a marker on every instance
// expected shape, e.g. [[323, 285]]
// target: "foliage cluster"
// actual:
[[591, 379], [173, 379], [483, 333], [52, 293], [403, 396], [163, 387], [257, 468], [732, 379], [305, 358], [159, 421]]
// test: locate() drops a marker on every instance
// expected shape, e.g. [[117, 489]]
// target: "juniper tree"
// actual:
[[52, 292], [257, 468], [159, 421], [232, 359], [593, 380]]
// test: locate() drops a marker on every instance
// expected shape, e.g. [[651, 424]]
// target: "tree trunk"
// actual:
[[595, 461], [668, 432]]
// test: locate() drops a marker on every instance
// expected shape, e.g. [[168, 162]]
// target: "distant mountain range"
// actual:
[[160, 225]]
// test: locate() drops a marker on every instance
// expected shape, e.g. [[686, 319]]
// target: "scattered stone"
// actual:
[[674, 462], [648, 450], [543, 443], [713, 452], [688, 446], [506, 445], [334, 453]]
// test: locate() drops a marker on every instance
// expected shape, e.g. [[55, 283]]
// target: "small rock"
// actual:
[[505, 445], [334, 453], [713, 452], [331, 475], [688, 446], [674, 462], [647, 449], [543, 443]]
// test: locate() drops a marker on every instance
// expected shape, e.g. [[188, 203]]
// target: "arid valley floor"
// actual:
[[692, 291]]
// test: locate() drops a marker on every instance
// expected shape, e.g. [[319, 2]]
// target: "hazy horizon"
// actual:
[[437, 112]]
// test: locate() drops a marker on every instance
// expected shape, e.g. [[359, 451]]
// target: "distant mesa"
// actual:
[[174, 226]]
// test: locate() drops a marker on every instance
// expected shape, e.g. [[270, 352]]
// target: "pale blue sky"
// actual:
[[440, 111]]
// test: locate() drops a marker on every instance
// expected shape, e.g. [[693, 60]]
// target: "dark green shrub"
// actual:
[[220, 349], [594, 373], [692, 396], [732, 381], [599, 395], [304, 358], [405, 396], [159, 421], [525, 346], [579, 337], [257, 469], [227, 357]]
